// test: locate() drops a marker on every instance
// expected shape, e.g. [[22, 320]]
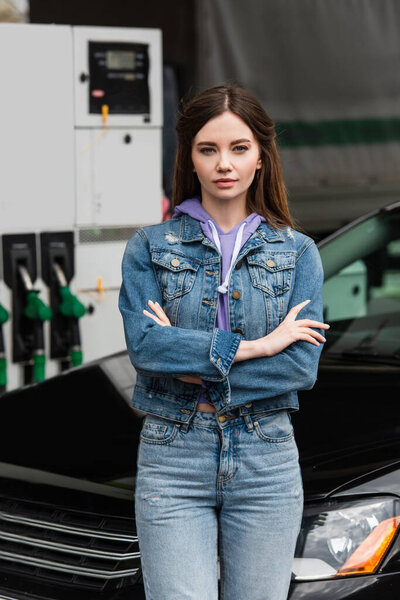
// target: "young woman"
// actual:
[[210, 301]]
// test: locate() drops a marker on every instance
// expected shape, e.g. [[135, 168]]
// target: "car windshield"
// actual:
[[361, 293]]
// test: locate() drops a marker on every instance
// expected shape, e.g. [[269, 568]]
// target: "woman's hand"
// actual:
[[161, 318], [288, 331], [291, 330]]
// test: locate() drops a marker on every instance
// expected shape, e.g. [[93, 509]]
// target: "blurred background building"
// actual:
[[325, 70]]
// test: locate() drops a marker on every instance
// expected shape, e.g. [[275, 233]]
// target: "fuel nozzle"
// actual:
[[72, 308], [35, 308], [38, 312], [3, 361], [4, 315], [70, 305]]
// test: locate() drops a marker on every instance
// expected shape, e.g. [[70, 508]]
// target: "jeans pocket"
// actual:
[[275, 427], [156, 430]]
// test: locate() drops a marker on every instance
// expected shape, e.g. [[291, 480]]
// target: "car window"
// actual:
[[361, 293]]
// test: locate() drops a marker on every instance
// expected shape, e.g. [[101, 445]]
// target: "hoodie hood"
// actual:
[[228, 243]]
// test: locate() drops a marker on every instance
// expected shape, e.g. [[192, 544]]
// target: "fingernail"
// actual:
[[157, 303], [151, 302]]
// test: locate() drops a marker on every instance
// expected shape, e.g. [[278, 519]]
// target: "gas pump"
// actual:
[[85, 174], [57, 251], [29, 312]]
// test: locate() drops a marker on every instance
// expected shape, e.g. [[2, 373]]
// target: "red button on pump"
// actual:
[[98, 93]]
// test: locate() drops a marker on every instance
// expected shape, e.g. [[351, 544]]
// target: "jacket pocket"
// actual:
[[272, 272], [176, 273]]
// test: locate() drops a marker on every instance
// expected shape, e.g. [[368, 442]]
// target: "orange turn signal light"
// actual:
[[369, 554]]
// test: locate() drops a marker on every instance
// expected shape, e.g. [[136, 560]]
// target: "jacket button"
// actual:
[[175, 262], [249, 405], [222, 418], [219, 361], [236, 294], [185, 410], [238, 265], [270, 262], [238, 330]]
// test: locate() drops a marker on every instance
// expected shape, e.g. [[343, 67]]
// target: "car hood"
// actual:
[[359, 469]]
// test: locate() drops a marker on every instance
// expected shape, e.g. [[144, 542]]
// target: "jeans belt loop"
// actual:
[[184, 427], [249, 422]]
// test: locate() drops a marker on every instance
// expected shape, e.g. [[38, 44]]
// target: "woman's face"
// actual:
[[225, 156]]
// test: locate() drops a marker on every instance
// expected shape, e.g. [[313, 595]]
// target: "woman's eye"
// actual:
[[212, 150], [206, 150]]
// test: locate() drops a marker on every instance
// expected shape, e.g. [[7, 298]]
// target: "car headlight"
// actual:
[[345, 537]]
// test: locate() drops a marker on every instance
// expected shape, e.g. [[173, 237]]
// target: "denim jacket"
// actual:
[[175, 264]]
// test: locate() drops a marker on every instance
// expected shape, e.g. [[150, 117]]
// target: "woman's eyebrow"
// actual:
[[232, 143]]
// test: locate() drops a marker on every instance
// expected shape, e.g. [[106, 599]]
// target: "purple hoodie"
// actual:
[[229, 244]]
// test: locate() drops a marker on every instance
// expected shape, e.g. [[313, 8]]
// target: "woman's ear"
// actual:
[[259, 164]]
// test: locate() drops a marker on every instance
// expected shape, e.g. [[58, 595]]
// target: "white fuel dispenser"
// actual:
[[81, 162]]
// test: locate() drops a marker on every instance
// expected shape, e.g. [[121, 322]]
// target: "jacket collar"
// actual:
[[191, 231]]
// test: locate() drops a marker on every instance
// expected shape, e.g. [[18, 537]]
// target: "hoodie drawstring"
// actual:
[[236, 249]]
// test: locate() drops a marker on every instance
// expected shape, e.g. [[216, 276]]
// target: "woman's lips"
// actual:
[[225, 183]]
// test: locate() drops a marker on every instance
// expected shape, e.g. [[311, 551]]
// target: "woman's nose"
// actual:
[[224, 163]]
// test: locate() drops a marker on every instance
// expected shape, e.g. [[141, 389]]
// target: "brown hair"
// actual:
[[267, 193]]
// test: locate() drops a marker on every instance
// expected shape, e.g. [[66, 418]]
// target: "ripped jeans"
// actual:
[[218, 500]]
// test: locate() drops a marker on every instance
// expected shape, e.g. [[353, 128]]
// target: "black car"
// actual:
[[68, 453]]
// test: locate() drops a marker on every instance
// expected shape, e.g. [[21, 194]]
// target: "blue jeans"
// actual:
[[231, 489]]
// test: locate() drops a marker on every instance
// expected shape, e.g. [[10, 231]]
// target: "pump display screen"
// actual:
[[119, 78], [120, 60]]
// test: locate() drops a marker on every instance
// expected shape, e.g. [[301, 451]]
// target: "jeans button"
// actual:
[[249, 405]]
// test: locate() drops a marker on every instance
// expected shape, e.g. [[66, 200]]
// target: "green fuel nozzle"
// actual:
[[3, 371], [76, 358], [39, 367], [3, 315], [70, 305], [35, 308]]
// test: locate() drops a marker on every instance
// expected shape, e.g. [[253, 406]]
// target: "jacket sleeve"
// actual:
[[296, 367], [166, 351]]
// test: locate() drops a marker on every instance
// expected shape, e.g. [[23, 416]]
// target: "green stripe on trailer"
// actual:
[[295, 134]]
